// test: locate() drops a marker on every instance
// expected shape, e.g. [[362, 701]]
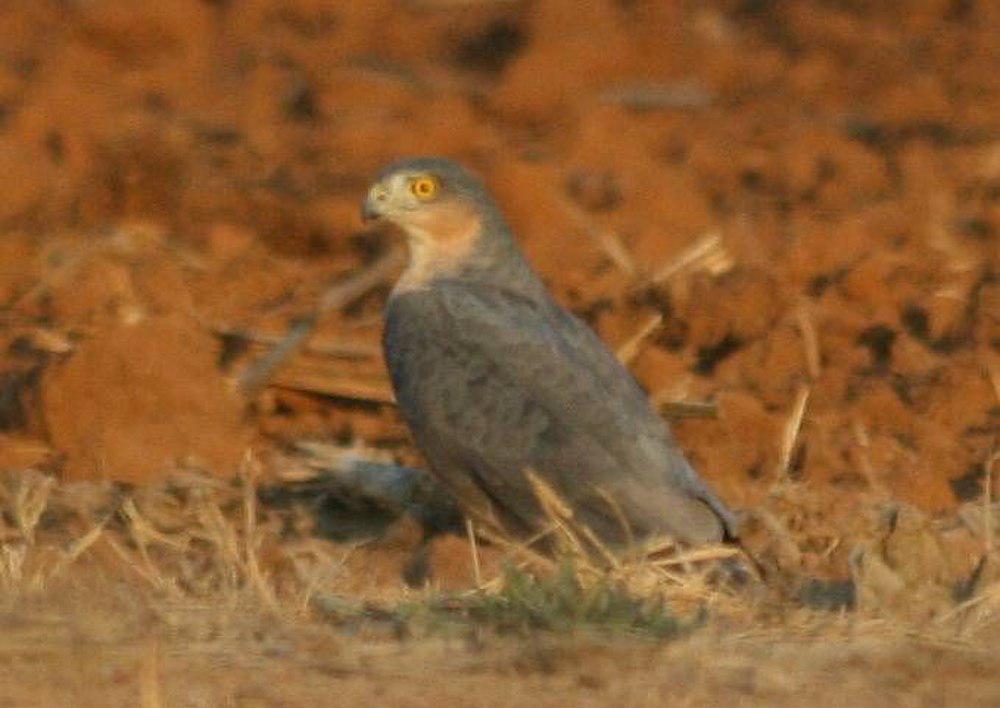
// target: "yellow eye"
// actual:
[[424, 188]]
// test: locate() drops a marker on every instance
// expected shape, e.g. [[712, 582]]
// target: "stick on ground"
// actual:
[[257, 375]]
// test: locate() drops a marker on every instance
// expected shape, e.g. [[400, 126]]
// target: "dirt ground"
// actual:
[[785, 216]]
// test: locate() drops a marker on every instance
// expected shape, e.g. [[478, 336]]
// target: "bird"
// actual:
[[500, 385]]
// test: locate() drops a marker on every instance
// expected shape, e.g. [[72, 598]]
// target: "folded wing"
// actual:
[[493, 383]]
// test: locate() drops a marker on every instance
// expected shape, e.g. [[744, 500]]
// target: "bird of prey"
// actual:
[[497, 382]]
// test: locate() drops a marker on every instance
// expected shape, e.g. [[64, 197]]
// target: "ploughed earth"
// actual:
[[783, 216]]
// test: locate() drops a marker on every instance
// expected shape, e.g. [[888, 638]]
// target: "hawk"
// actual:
[[499, 383]]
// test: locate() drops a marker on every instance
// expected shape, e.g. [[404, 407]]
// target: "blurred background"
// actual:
[[782, 214]]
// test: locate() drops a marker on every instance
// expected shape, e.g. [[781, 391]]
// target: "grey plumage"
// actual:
[[494, 378]]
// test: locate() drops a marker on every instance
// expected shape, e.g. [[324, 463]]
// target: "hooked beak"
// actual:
[[374, 204]]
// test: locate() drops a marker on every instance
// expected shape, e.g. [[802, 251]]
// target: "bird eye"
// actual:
[[424, 188]]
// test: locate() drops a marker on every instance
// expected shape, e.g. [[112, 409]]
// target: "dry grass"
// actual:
[[607, 241], [708, 253], [158, 585], [629, 350]]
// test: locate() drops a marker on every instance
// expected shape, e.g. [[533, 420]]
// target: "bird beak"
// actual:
[[374, 203]]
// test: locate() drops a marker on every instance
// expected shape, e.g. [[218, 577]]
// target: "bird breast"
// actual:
[[441, 239]]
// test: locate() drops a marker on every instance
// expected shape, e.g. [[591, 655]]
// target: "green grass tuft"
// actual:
[[559, 603]]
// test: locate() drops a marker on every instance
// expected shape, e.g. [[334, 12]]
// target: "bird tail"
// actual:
[[731, 521]]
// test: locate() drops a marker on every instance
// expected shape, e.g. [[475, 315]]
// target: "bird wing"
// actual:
[[653, 437], [510, 382]]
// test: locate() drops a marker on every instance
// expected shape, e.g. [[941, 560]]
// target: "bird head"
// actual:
[[427, 198], [453, 226]]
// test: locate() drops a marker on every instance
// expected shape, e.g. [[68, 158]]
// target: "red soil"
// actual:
[[170, 168]]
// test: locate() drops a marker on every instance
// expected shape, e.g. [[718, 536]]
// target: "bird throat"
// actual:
[[442, 239]]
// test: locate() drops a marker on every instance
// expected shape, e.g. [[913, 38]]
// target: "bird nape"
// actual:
[[510, 398]]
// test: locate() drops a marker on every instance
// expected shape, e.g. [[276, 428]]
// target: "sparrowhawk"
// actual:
[[497, 381]]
